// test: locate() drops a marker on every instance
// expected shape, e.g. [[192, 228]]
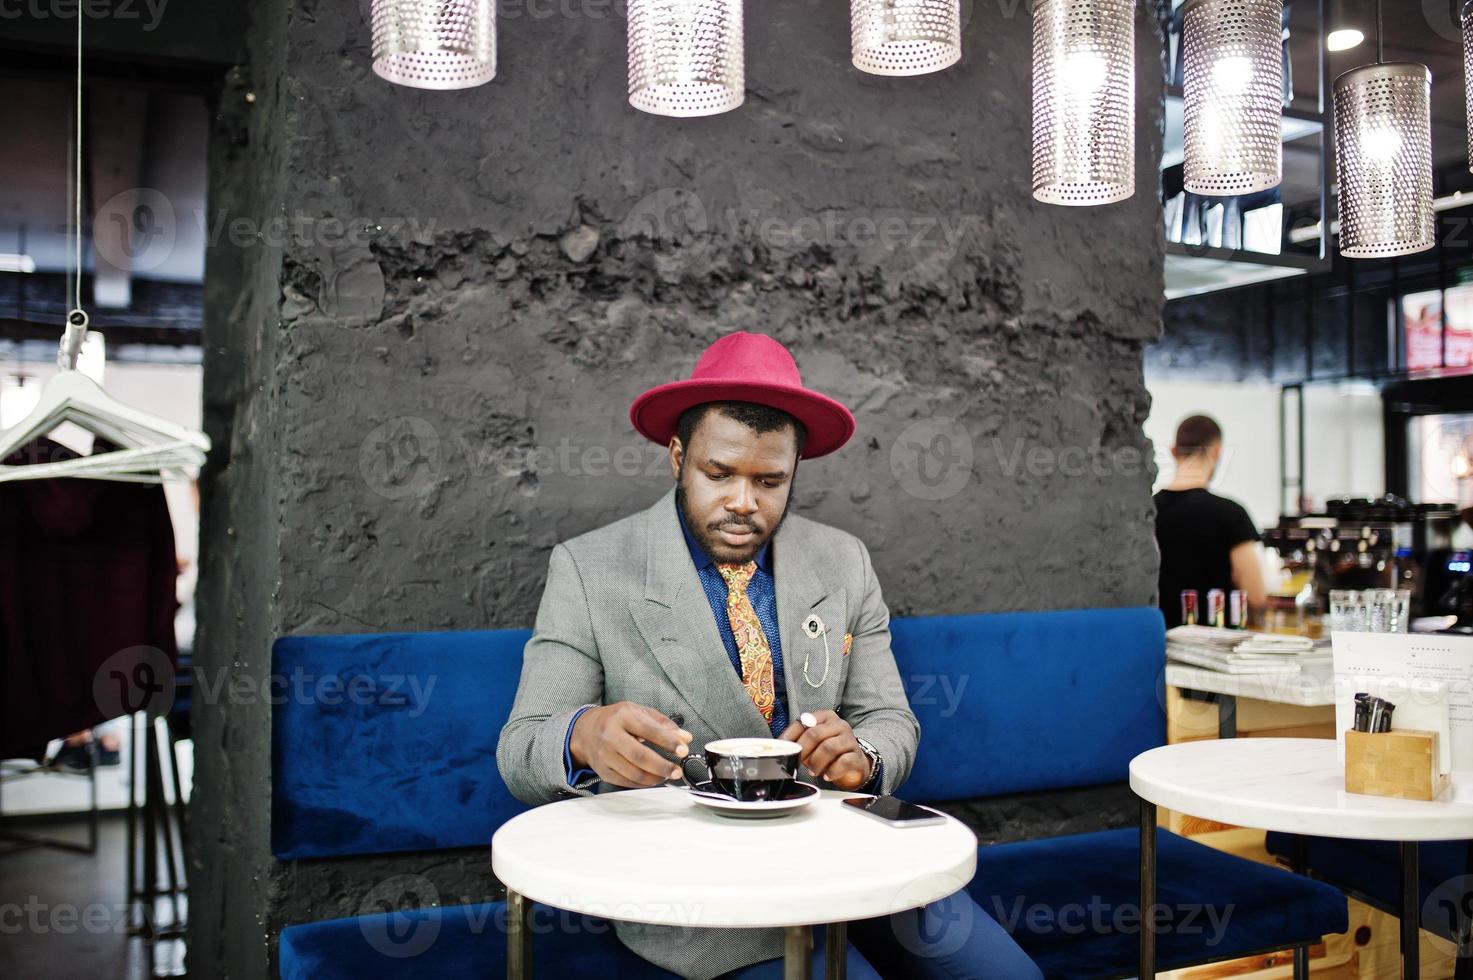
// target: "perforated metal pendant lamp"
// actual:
[[1383, 152], [1233, 95], [1468, 73], [686, 57], [434, 44], [904, 37], [1083, 101]]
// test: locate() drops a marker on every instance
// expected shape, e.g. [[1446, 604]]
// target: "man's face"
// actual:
[[734, 485]]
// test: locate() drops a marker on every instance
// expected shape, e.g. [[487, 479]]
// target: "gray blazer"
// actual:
[[624, 618]]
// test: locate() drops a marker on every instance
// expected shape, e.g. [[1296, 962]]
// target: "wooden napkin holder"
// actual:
[[1403, 764]]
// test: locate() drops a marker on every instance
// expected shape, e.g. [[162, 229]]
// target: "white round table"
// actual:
[[1291, 785], [654, 856]]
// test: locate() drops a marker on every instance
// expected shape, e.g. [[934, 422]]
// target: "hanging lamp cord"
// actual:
[[76, 318], [1380, 37]]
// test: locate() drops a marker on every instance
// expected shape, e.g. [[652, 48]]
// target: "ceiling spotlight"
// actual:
[[1344, 39]]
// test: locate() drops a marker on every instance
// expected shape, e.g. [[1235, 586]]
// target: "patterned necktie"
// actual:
[[751, 642]]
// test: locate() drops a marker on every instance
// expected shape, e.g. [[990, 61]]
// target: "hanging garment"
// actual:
[[87, 601]]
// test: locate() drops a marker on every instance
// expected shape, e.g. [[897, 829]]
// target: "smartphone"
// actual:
[[895, 811]]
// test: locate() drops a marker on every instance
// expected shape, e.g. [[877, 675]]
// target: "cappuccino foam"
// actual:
[[753, 748]]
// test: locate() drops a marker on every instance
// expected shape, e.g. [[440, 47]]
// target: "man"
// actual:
[[1206, 541], [684, 624]]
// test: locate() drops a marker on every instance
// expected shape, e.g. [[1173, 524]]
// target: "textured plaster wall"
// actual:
[[415, 414]]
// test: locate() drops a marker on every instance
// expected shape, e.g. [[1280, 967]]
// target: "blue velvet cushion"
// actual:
[[1073, 903], [457, 942], [468, 942], [387, 742], [1372, 868], [1030, 701]]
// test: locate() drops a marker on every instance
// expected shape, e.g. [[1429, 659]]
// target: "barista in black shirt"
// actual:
[[1206, 541]]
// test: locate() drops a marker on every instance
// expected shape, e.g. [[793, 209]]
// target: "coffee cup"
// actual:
[[751, 770]]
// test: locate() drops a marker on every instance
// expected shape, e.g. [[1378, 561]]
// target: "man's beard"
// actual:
[[706, 536]]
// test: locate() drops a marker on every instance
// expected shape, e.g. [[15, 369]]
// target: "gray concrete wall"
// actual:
[[414, 416]]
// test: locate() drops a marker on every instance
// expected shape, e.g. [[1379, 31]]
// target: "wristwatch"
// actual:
[[875, 760]]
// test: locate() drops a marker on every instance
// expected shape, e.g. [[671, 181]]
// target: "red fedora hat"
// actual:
[[745, 367]]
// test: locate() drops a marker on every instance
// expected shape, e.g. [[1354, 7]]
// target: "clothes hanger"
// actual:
[[148, 445]]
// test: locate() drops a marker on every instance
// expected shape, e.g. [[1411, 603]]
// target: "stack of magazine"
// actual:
[[1244, 652]]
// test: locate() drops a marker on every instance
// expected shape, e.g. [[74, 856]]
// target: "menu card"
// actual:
[[1428, 677]]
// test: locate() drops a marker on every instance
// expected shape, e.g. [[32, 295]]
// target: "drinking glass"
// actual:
[[1347, 611], [1401, 610], [1381, 610]]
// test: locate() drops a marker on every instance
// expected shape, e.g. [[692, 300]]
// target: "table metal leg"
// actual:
[[518, 937], [1148, 890], [1464, 968], [1227, 716], [1299, 864], [798, 953], [1411, 918], [836, 951]]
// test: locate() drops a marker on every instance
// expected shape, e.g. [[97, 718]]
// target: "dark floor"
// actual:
[[63, 914]]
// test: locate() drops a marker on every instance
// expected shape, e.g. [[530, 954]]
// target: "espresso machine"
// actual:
[[1385, 543], [1447, 582]]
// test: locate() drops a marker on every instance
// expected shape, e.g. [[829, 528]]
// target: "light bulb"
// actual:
[[1084, 74], [1232, 76], [1344, 39], [1381, 143]]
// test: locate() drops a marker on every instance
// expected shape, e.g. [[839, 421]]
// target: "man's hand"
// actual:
[[614, 742], [830, 751]]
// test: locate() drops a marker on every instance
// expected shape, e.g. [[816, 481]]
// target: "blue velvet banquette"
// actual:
[[387, 743]]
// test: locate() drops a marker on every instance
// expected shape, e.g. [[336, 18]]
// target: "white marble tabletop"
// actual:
[[1295, 785], [1310, 688], [654, 856]]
